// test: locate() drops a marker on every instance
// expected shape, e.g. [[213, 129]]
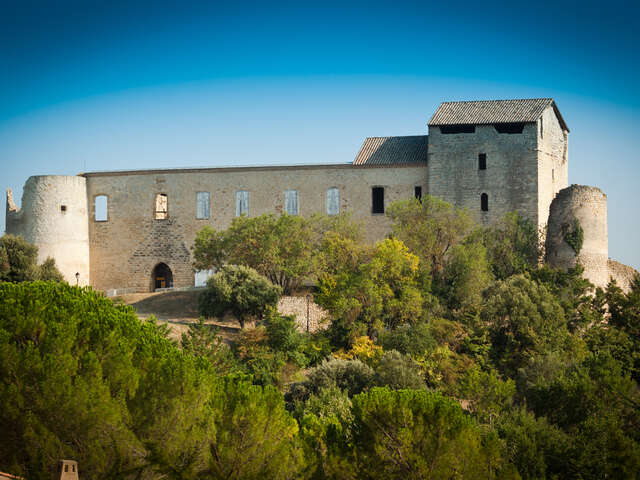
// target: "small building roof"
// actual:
[[393, 151], [483, 112]]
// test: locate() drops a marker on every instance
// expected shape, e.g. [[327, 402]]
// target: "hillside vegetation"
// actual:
[[450, 352]]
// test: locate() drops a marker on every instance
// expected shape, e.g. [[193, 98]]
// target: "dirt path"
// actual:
[[177, 309]]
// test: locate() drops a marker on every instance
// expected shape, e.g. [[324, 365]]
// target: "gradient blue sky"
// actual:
[[104, 85]]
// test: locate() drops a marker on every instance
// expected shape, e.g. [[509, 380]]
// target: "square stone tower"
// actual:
[[498, 156]]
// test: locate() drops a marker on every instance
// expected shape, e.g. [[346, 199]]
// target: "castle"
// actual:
[[132, 230]]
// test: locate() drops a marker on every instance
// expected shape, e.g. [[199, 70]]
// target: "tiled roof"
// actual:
[[393, 151], [493, 111]]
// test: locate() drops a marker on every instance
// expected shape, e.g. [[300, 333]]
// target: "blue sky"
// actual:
[[97, 85]]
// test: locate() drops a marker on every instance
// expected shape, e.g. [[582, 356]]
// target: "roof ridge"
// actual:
[[499, 100]]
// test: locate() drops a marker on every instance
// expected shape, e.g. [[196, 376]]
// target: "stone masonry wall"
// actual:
[[553, 171], [510, 179], [622, 274], [297, 306], [126, 247]]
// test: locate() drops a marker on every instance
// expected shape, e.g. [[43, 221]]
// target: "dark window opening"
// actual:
[[448, 129], [509, 127], [66, 468], [484, 202], [73, 468], [417, 192], [63, 208], [377, 200], [162, 277], [482, 161]]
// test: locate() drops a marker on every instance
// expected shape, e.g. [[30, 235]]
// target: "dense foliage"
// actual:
[[19, 262], [450, 352]]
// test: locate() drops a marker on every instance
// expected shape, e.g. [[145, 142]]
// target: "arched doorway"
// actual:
[[161, 277]]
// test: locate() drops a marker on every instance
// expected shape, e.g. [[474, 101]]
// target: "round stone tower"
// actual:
[[577, 232], [53, 216]]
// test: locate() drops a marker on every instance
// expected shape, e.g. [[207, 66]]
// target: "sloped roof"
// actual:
[[484, 112], [393, 151]]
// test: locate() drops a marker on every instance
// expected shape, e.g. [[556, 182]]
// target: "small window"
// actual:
[[63, 208], [553, 175], [333, 201], [482, 161], [417, 192], [541, 131], [377, 200], [73, 468], [449, 129], [162, 206], [291, 202], [509, 127], [202, 205], [66, 468], [100, 208], [242, 203], [484, 202]]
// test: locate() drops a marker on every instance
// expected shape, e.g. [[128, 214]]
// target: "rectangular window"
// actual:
[[202, 205], [291, 202], [482, 161], [100, 208], [541, 132], [333, 201], [417, 192], [162, 206], [509, 127], [449, 129], [242, 203], [377, 200]]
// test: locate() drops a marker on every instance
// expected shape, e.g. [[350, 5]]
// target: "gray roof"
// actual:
[[484, 112], [393, 151]]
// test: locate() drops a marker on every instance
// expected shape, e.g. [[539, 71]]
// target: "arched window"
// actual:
[[333, 201], [484, 202], [100, 208]]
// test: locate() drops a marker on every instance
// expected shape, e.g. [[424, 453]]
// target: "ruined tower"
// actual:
[[577, 232], [53, 217]]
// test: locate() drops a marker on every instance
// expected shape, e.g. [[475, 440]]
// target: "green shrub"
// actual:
[[397, 371]]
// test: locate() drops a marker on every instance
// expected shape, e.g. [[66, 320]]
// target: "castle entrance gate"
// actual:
[[161, 277]]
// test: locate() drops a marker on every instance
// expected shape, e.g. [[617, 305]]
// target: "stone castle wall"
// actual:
[[53, 216], [126, 248], [622, 274], [510, 179], [553, 171]]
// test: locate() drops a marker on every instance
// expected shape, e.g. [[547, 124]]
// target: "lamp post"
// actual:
[[77, 278]]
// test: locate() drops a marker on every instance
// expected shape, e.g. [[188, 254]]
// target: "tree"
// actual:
[[417, 434], [466, 274], [429, 227], [396, 371], [383, 292], [277, 247], [523, 320], [202, 340], [19, 262], [239, 290], [81, 378], [513, 246], [255, 437]]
